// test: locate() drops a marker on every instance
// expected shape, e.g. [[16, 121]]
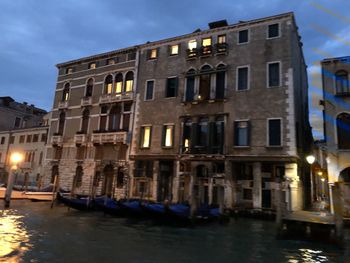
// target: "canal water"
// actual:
[[32, 232]]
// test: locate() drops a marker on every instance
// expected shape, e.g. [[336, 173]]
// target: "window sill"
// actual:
[[241, 147], [273, 87], [274, 147], [273, 37]]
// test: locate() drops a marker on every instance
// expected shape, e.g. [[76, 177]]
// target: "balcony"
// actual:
[[110, 98], [109, 137], [63, 104], [80, 138], [86, 101], [206, 51], [221, 48], [192, 53], [57, 139]]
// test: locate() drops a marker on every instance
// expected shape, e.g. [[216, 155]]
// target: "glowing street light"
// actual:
[[15, 159], [311, 159]]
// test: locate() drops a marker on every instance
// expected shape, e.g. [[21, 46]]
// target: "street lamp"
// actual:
[[311, 159], [15, 159]]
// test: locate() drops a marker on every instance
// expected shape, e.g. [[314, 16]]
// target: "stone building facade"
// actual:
[[336, 103], [91, 123], [19, 115], [222, 116]]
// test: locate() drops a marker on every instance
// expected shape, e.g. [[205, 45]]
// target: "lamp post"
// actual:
[[15, 159], [311, 159]]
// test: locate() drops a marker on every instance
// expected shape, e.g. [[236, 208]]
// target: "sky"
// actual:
[[36, 35]]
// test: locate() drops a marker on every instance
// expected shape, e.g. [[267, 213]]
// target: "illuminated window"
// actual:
[[92, 65], [65, 94], [206, 46], [146, 136], [221, 43], [174, 50], [152, 53], [69, 70], [186, 136], [129, 81], [222, 39], [168, 135], [192, 48], [108, 84], [110, 61], [119, 83]]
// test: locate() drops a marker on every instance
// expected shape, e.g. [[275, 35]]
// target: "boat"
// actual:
[[111, 207], [44, 194], [15, 194], [132, 207], [81, 203]]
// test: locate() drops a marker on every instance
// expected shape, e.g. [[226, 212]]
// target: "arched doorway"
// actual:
[[165, 182], [108, 174]]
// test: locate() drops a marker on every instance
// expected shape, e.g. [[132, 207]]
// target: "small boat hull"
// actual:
[[40, 196], [15, 194]]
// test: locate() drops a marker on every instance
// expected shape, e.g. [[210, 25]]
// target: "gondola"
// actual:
[[82, 203]]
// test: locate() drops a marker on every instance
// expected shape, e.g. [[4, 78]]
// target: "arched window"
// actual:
[[78, 178], [190, 81], [114, 118], [343, 130], [120, 178], [118, 83], [129, 81], [85, 121], [61, 122], [89, 88], [54, 173], [342, 82], [203, 132], [65, 94], [108, 84], [220, 81], [204, 83]]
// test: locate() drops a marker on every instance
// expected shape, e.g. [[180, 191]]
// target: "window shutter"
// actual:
[[235, 133], [163, 135], [212, 134], [222, 138], [194, 135], [176, 84]]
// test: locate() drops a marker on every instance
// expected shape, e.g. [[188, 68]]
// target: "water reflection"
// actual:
[[14, 238]]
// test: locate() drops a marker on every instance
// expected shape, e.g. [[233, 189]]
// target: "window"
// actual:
[[152, 54], [54, 173], [243, 36], [174, 50], [190, 81], [218, 134], [171, 87], [103, 118], [69, 70], [126, 120], [120, 178], [274, 132], [29, 138], [17, 122], [114, 118], [274, 74], [108, 84], [192, 48], [131, 56], [61, 123], [43, 137], [129, 81], [247, 194], [149, 90], [65, 94], [206, 46], [118, 83], [85, 121], [92, 65], [41, 158], [110, 61], [21, 139], [273, 31], [12, 139], [168, 136], [89, 88], [342, 82], [204, 83], [35, 137], [78, 178], [146, 136], [3, 140], [243, 78], [343, 131], [202, 136], [186, 136], [221, 44], [241, 133], [220, 82]]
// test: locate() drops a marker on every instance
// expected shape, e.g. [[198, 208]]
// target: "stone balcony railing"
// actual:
[[80, 138], [110, 98], [86, 101], [57, 139], [63, 104], [109, 137]]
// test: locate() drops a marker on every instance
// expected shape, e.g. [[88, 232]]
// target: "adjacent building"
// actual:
[[91, 124], [336, 103]]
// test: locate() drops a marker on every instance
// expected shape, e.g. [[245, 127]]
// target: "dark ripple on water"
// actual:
[[31, 232]]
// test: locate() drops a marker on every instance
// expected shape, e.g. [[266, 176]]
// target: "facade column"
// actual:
[[210, 189], [257, 193], [330, 186], [155, 179], [291, 175], [229, 199], [176, 182]]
